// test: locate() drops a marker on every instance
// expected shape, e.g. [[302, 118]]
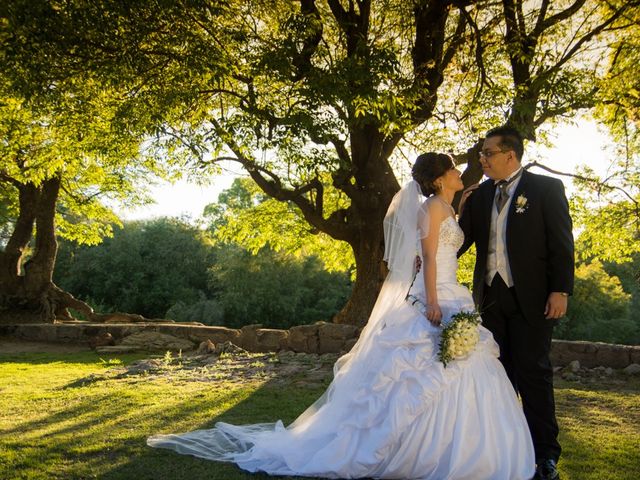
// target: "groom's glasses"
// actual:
[[489, 153]]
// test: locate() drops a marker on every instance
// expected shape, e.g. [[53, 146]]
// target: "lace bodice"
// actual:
[[451, 236], [450, 239]]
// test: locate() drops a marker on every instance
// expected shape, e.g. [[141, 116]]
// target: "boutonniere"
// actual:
[[522, 203]]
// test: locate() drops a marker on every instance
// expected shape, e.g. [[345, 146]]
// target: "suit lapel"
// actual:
[[520, 189], [516, 193], [489, 202]]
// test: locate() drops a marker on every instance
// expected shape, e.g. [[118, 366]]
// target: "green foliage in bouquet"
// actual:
[[459, 337]]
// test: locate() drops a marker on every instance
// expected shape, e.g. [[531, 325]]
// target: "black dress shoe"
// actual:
[[546, 470]]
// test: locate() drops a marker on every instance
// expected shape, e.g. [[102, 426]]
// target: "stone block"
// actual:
[[155, 341], [633, 369], [94, 329], [38, 332], [215, 334], [70, 333], [206, 347], [101, 340], [263, 339], [332, 337], [580, 346], [348, 345], [560, 354], [122, 330], [304, 338], [119, 317], [8, 330], [634, 354], [614, 356], [117, 349]]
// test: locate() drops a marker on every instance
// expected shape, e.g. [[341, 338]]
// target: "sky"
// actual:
[[582, 143]]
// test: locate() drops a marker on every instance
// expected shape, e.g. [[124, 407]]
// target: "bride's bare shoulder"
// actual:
[[436, 207]]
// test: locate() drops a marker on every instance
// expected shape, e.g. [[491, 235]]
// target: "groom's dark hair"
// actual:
[[510, 139]]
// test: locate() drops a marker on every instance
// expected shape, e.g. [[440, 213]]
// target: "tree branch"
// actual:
[[559, 17], [479, 54], [7, 178], [539, 27], [456, 40], [556, 112], [428, 55], [303, 61], [542, 75], [599, 185], [272, 186]]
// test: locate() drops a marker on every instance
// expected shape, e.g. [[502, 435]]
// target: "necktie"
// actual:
[[503, 195]]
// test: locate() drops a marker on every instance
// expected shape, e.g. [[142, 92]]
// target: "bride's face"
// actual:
[[451, 180]]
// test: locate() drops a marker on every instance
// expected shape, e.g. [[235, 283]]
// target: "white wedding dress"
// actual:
[[393, 410]]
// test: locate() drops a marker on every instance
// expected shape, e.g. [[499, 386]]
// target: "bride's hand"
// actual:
[[465, 194], [434, 314]]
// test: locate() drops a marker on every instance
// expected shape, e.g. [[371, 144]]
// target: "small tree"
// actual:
[[58, 163], [246, 216]]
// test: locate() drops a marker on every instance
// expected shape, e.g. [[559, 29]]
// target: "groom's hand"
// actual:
[[556, 305]]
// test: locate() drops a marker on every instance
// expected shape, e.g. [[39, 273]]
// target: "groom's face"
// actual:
[[497, 163]]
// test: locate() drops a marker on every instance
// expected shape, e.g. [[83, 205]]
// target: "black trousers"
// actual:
[[524, 352]]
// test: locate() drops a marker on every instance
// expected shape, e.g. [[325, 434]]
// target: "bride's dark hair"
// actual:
[[428, 168]]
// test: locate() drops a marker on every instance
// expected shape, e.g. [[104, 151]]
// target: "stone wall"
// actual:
[[318, 338]]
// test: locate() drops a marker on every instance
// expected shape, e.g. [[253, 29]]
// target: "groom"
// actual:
[[523, 275]]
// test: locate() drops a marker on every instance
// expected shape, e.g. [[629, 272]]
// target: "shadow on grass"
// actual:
[[100, 430], [266, 404], [599, 431], [83, 358]]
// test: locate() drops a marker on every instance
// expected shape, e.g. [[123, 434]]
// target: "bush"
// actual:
[[206, 311], [275, 290], [168, 268], [599, 309], [146, 268]]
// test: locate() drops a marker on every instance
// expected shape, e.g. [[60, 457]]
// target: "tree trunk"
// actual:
[[11, 258], [376, 186], [31, 296], [39, 268], [370, 274]]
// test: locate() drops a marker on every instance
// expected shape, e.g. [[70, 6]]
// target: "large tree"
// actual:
[[59, 164], [316, 92]]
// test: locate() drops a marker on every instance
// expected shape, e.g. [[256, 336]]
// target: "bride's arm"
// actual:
[[434, 217]]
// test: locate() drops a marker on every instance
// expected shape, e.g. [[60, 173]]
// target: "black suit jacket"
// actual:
[[539, 241]]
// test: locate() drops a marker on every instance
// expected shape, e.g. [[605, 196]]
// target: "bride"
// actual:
[[393, 410]]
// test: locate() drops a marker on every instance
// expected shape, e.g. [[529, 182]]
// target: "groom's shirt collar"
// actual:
[[510, 178]]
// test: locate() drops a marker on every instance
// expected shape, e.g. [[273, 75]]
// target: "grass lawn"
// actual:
[[63, 417]]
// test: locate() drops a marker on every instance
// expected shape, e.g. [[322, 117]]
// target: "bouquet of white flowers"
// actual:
[[459, 337]]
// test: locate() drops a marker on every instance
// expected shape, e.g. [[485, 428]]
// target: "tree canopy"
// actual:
[[320, 99]]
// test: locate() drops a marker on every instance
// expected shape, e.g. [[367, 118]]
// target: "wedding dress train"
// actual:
[[393, 410]]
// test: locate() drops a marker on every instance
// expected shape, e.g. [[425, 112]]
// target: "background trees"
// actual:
[[167, 268], [320, 100], [146, 268]]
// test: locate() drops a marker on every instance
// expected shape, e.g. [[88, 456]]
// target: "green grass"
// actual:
[[54, 425]]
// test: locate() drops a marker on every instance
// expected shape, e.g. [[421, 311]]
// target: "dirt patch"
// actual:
[[237, 367], [13, 345]]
